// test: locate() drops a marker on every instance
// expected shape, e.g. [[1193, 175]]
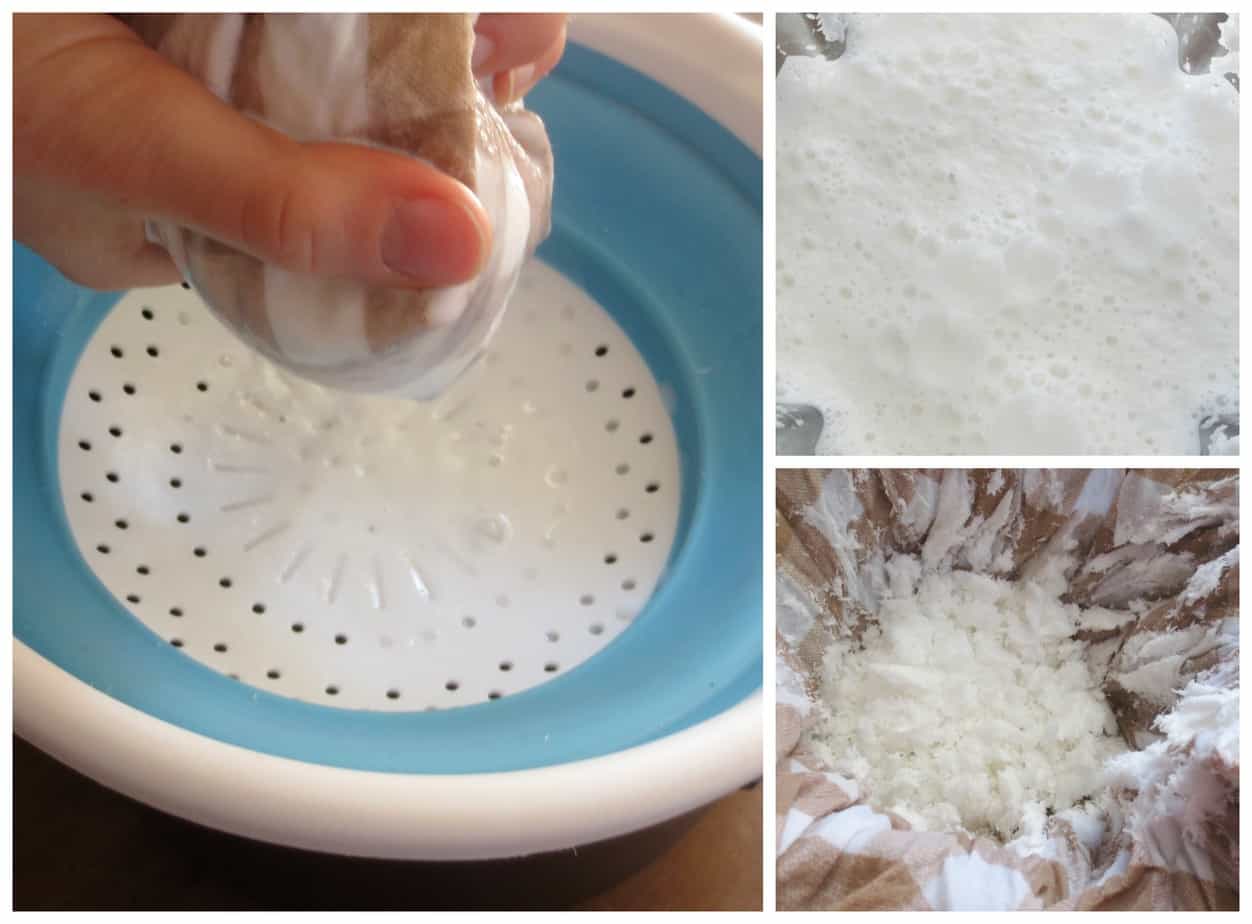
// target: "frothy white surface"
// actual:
[[1008, 234]]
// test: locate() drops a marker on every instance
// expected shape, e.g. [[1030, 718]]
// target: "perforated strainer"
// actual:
[[378, 554], [524, 616]]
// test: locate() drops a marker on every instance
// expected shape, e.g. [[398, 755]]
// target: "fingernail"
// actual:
[[483, 47], [433, 241], [523, 78], [502, 88]]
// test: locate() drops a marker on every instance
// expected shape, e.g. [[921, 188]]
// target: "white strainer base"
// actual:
[[364, 552]]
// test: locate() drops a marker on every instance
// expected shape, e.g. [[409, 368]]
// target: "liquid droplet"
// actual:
[[494, 528]]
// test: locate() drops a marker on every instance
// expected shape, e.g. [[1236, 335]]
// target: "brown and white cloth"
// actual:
[[1160, 545], [400, 81]]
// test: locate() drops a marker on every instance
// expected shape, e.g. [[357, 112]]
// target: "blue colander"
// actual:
[[658, 218]]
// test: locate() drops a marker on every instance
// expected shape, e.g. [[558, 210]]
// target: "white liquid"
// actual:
[[1007, 234]]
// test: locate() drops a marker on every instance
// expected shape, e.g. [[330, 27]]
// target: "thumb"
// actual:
[[97, 109]]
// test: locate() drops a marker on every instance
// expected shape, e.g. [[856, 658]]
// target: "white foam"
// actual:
[[1007, 233]]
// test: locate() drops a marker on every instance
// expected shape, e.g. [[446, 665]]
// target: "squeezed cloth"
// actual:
[[402, 82]]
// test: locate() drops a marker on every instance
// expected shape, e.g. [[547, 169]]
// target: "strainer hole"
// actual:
[[121, 524], [629, 584], [116, 351], [596, 628], [645, 438], [84, 445], [115, 432], [176, 482], [87, 496], [646, 537], [113, 477], [393, 694], [176, 612], [612, 425], [220, 647], [176, 448], [225, 582], [147, 314], [297, 627], [452, 686], [332, 690], [202, 386], [184, 518], [102, 549], [273, 674], [94, 395], [341, 639], [587, 599], [610, 559], [551, 667], [601, 350], [494, 694], [469, 622], [258, 608], [132, 598], [200, 551], [143, 569], [185, 285], [153, 352], [128, 388], [176, 642], [552, 635], [622, 468], [506, 666], [592, 385], [623, 513], [652, 487], [628, 393]]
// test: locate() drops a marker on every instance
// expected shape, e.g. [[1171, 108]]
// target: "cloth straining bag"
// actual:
[[1160, 547], [397, 81]]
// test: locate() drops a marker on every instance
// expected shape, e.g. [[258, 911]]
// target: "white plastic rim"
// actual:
[[382, 815], [436, 817], [717, 67]]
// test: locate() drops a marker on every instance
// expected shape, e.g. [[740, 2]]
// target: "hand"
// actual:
[[517, 50], [107, 133]]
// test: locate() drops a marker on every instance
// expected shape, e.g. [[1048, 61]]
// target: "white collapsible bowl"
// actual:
[[261, 630]]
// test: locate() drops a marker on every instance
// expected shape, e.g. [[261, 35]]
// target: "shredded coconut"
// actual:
[[1190, 777], [968, 704]]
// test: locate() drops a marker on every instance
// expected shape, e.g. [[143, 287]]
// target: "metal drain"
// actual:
[[365, 552]]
